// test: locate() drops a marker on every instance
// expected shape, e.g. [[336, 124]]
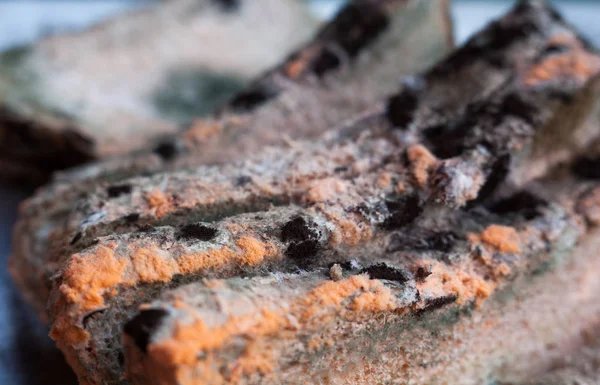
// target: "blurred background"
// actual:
[[27, 356], [26, 21]]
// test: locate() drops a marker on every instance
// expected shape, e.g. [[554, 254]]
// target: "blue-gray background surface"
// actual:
[[27, 356]]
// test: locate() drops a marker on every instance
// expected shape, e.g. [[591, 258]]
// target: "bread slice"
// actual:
[[494, 304], [72, 98], [386, 31], [330, 80], [302, 97], [371, 192]]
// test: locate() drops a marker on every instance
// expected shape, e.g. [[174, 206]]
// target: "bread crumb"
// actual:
[[336, 272]]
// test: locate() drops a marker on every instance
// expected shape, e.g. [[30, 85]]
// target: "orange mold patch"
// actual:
[[159, 202], [422, 162], [203, 130], [295, 68], [576, 64], [325, 190], [463, 283], [356, 294], [88, 276], [151, 266], [501, 238], [348, 230], [314, 311], [88, 279]]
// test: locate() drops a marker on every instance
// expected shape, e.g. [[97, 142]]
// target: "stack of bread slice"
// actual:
[[445, 234]]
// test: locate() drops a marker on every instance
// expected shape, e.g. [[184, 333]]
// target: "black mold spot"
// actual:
[[443, 241], [304, 240], [302, 251], [76, 238], [167, 150], [401, 107], [227, 5], [298, 230], [489, 44], [501, 37], [132, 218], [524, 203], [450, 140], [145, 229], [141, 327], [515, 105], [553, 49], [402, 212], [422, 273], [243, 180], [118, 190], [563, 95], [497, 175], [197, 231], [326, 62], [387, 272], [439, 141], [587, 168], [253, 97], [357, 25], [436, 303]]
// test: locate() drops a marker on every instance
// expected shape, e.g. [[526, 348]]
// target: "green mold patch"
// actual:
[[15, 57], [21, 87], [188, 94], [17, 81]]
